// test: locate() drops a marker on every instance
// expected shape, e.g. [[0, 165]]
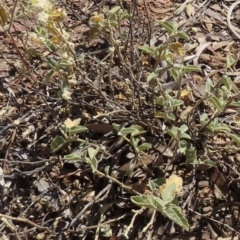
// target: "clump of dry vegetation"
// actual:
[[106, 131]]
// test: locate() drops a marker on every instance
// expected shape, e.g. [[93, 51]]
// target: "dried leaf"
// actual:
[[216, 7], [178, 48], [69, 123], [120, 96], [209, 26], [184, 93], [3, 15], [190, 10], [160, 10], [97, 18], [172, 179]]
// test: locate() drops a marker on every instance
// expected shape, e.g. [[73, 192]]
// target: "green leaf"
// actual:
[[225, 93], [106, 169], [152, 185], [236, 139], [167, 26], [159, 101], [113, 23], [174, 73], [149, 201], [178, 67], [209, 86], [173, 132], [52, 63], [230, 60], [72, 156], [168, 57], [191, 68], [94, 164], [211, 127], [203, 117], [41, 31], [57, 143], [50, 45], [63, 129], [169, 193], [131, 167], [81, 57], [144, 146], [222, 127], [158, 70], [209, 163], [183, 128], [128, 130], [235, 104], [134, 142], [92, 152], [170, 116], [174, 213], [76, 130], [182, 146], [124, 16], [112, 12], [63, 63], [191, 156], [152, 76], [177, 102], [138, 130], [147, 49], [226, 81], [49, 75], [220, 94], [182, 35], [117, 127], [185, 136], [216, 103], [34, 52]]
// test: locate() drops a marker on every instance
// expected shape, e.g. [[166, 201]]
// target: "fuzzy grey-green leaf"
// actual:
[[191, 68], [167, 26], [174, 213], [144, 146], [147, 49], [72, 156], [77, 129], [169, 193], [57, 143], [216, 103], [236, 139]]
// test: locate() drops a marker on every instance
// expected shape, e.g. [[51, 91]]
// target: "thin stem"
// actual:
[[129, 189], [25, 220]]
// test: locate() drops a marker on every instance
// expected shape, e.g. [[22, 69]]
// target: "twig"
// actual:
[[102, 224], [199, 51], [12, 15], [110, 113], [130, 189], [223, 224], [150, 222], [25, 220], [99, 223], [229, 14], [89, 204], [132, 221], [12, 228]]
